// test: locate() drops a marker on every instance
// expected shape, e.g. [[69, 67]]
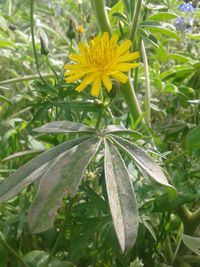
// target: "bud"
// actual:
[[71, 33], [44, 46]]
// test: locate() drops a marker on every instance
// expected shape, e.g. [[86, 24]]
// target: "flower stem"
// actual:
[[130, 97], [101, 15], [33, 39], [147, 87], [26, 78], [135, 21]]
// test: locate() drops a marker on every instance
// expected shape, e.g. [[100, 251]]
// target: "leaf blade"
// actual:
[[64, 176], [25, 174], [64, 127], [121, 197]]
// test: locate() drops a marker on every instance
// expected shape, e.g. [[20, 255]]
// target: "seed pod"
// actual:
[[71, 33]]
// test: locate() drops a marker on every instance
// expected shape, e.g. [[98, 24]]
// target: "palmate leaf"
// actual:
[[64, 127], [121, 197], [33, 169], [121, 130], [142, 159], [63, 177]]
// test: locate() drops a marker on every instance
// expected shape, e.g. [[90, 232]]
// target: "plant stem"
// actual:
[[130, 97], [26, 78], [101, 16], [33, 40], [147, 87], [135, 21], [62, 229], [13, 252], [99, 119]]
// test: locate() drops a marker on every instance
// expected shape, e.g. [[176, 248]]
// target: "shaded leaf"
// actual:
[[64, 127], [63, 177], [143, 160], [193, 139], [193, 243], [33, 170], [121, 198]]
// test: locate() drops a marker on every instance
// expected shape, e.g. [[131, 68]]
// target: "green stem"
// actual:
[[130, 97], [12, 252], [147, 87], [135, 21], [33, 39], [62, 229], [99, 119], [101, 16], [26, 78]]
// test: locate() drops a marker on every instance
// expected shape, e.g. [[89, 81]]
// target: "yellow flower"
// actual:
[[80, 29], [100, 61]]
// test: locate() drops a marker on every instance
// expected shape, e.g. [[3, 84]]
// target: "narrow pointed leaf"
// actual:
[[143, 160], [120, 129], [63, 177], [32, 170], [121, 198], [64, 127]]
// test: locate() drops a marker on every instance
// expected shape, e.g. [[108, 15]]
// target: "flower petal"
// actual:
[[107, 82], [75, 77], [121, 77], [96, 86], [123, 48], [88, 79], [126, 66], [128, 57]]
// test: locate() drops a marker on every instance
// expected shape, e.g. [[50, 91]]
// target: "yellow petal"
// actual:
[[78, 58], [123, 48], [125, 66], [74, 77], [96, 86], [128, 57], [88, 79], [121, 77], [73, 66], [114, 39], [107, 82]]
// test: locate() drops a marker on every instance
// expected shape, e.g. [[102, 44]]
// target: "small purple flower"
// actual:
[[187, 7], [180, 24]]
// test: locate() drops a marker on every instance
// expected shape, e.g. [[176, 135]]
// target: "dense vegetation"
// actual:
[[155, 145]]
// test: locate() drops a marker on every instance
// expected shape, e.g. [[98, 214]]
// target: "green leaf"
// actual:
[[193, 243], [121, 198], [194, 36], [120, 129], [63, 177], [142, 159], [162, 16], [193, 139], [24, 153], [162, 30], [33, 169], [64, 127]]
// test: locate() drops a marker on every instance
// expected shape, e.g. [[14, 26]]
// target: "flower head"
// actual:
[[186, 7], [80, 29], [99, 61]]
